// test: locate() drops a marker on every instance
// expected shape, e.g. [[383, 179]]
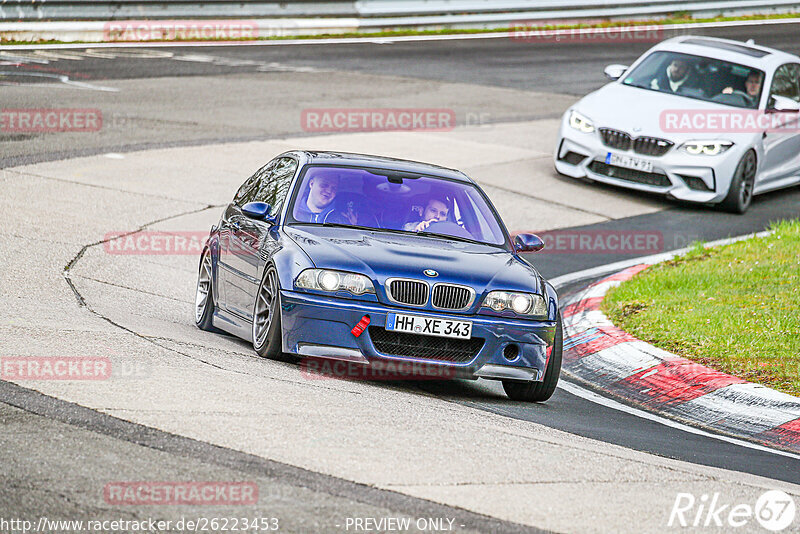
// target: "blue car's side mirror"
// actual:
[[528, 243], [259, 211]]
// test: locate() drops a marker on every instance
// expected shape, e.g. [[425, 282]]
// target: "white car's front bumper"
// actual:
[[580, 155]]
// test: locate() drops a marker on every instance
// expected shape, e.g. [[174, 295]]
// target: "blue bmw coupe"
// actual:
[[378, 261]]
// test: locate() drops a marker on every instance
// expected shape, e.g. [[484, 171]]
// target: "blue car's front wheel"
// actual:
[[540, 391], [204, 294], [266, 316]]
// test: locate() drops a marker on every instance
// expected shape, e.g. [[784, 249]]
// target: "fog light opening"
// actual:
[[510, 352]]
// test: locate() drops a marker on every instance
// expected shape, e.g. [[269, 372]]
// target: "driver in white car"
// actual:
[[752, 87]]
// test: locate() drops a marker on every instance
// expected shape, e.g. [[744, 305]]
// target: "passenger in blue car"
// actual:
[[318, 202]]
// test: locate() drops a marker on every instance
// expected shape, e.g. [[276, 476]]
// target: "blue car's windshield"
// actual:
[[698, 77], [394, 201]]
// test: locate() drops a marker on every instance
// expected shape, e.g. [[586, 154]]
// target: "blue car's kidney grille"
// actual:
[[411, 292], [424, 347], [450, 297]]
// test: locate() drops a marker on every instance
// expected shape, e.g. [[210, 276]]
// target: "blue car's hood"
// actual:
[[382, 255]]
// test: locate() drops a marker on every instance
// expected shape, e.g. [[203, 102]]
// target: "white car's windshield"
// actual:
[[697, 77], [394, 201]]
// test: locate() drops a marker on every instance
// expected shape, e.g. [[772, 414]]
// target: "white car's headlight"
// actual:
[[328, 280], [579, 122], [708, 148], [520, 303]]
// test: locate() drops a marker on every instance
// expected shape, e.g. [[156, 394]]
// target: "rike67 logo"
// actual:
[[774, 510]]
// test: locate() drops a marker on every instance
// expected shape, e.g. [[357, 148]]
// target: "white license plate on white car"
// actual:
[[628, 162], [429, 326]]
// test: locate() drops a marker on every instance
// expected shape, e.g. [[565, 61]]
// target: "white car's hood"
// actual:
[[638, 112]]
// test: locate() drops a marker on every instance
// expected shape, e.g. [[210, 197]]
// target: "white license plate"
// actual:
[[628, 162], [429, 326]]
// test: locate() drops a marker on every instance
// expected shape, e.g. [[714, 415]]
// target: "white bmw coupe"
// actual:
[[698, 119]]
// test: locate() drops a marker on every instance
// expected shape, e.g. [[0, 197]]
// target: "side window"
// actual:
[[249, 188], [787, 81], [274, 184]]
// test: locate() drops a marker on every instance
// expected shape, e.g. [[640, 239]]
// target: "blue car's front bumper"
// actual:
[[321, 326]]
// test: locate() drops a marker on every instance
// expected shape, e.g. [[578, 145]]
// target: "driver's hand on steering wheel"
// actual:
[[424, 224], [727, 91]]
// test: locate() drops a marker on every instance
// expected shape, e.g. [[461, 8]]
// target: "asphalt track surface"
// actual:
[[572, 69]]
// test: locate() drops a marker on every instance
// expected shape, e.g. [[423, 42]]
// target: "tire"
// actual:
[[267, 318], [540, 391], [204, 294], [740, 193]]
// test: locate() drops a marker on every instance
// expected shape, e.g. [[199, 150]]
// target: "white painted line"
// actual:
[[585, 394], [648, 374], [570, 324], [385, 40]]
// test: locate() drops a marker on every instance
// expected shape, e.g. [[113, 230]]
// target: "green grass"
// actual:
[[675, 18], [734, 308]]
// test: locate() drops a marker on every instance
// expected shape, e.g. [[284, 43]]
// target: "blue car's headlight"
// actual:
[[528, 304], [332, 281], [708, 148], [579, 122]]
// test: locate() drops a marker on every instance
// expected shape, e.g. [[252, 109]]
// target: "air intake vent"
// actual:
[[410, 292], [418, 346], [450, 297], [573, 158]]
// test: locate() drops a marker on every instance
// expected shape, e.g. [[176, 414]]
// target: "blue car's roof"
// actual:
[[378, 162]]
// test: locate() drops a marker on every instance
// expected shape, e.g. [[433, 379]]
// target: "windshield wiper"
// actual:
[[354, 226], [451, 237]]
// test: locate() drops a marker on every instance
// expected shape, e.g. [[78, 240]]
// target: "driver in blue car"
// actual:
[[322, 190], [436, 210]]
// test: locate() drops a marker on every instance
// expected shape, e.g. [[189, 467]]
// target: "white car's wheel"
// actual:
[[740, 193]]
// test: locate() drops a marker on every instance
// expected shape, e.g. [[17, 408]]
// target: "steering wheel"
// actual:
[[446, 228], [734, 97]]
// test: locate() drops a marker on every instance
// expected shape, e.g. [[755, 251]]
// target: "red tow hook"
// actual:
[[362, 324]]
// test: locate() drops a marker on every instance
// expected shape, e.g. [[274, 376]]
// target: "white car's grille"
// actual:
[[649, 146], [615, 139]]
